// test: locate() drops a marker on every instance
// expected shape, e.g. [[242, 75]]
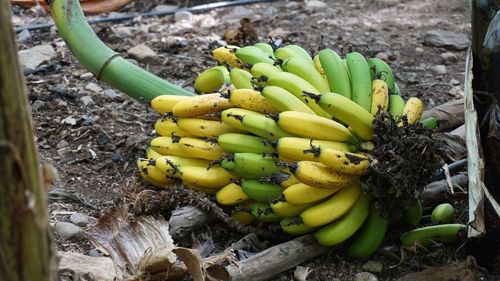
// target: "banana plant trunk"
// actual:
[[25, 245]]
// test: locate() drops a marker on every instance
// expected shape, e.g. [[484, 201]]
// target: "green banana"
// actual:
[[414, 213], [266, 48], [396, 105], [283, 100], [212, 79], [234, 142], [429, 123], [361, 80], [250, 165], [370, 236], [336, 72], [262, 71], [263, 126], [301, 52], [442, 213], [232, 116], [262, 212], [307, 71], [343, 228], [253, 55], [397, 91], [284, 53], [241, 79], [426, 235], [381, 70], [295, 226], [261, 191]]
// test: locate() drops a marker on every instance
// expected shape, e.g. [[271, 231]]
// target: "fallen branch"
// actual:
[[440, 191], [448, 115]]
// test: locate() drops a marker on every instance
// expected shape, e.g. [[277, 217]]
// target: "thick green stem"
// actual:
[[103, 62]]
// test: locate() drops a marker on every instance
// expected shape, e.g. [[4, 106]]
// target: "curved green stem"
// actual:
[[103, 62]]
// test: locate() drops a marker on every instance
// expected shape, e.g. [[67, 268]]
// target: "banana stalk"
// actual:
[[104, 63]]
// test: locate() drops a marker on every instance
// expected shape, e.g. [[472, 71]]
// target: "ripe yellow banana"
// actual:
[[164, 163], [319, 175], [283, 100], [212, 79], [231, 195], [301, 193], [213, 177], [319, 67], [251, 100], [243, 217], [290, 180], [200, 105], [287, 210], [264, 126], [315, 127], [297, 149], [380, 96], [413, 110], [295, 226], [225, 55], [151, 153], [333, 208], [167, 146], [153, 175], [231, 117], [204, 128], [167, 125], [343, 161], [201, 148], [165, 103]]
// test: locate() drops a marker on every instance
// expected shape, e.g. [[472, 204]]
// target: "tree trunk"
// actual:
[[25, 245]]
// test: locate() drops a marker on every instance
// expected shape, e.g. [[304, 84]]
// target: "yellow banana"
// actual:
[[291, 180], [231, 117], [319, 175], [165, 103], [201, 148], [380, 96], [214, 177], [226, 55], [295, 226], [243, 217], [200, 105], [287, 210], [333, 208], [283, 100], [344, 162], [319, 67], [153, 175], [297, 149], [315, 127], [168, 126], [264, 126], [413, 110], [231, 195], [251, 100], [151, 153], [204, 128], [212, 79], [301, 193], [164, 163], [167, 146]]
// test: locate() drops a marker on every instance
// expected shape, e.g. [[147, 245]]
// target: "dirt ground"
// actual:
[[95, 156]]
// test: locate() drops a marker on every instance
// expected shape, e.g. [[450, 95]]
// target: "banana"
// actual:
[[153, 175], [442, 213], [233, 143], [284, 53], [319, 67], [212, 79], [251, 100], [413, 214], [397, 91], [284, 178], [297, 149], [225, 55], [151, 153], [200, 105], [361, 80], [204, 128], [250, 165], [369, 237], [266, 48], [381, 70], [264, 126], [262, 71], [425, 235], [164, 163], [301, 52], [340, 230], [165, 103], [429, 123], [300, 194], [262, 212], [307, 71], [243, 217], [348, 112], [231, 195], [260, 191], [241, 79], [283, 100], [295, 226], [396, 105], [413, 110], [336, 72], [319, 175], [380, 97], [201, 148], [167, 146], [333, 208], [343, 161], [297, 86], [315, 127], [168, 126], [287, 210], [213, 177], [232, 116], [253, 55]]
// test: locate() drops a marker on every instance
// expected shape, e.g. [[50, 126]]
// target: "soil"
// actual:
[[95, 156]]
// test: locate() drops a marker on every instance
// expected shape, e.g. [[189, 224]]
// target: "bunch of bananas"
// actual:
[[279, 136]]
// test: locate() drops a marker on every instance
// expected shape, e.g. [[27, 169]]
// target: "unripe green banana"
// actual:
[[241, 79], [429, 123], [414, 213], [260, 191], [284, 53], [283, 100], [250, 165], [266, 48], [253, 55], [396, 105], [442, 213], [302, 53], [381, 70], [369, 237], [262, 71], [232, 116], [295, 226], [397, 91], [264, 213], [212, 79], [361, 80], [425, 235], [307, 71], [343, 228], [264, 126], [233, 142], [336, 72]]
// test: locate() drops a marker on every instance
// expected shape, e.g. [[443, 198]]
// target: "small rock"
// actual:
[[447, 39], [456, 91], [278, 33], [117, 157], [93, 87], [95, 253], [316, 5], [448, 57], [125, 31], [33, 57], [419, 50], [142, 53], [383, 56], [438, 69], [162, 8], [183, 16], [86, 100], [87, 75], [69, 120], [365, 276], [110, 94], [68, 231], [79, 219], [38, 104], [62, 144], [63, 151], [373, 266], [454, 82], [24, 36]]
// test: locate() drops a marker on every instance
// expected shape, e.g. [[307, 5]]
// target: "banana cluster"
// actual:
[[278, 135]]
